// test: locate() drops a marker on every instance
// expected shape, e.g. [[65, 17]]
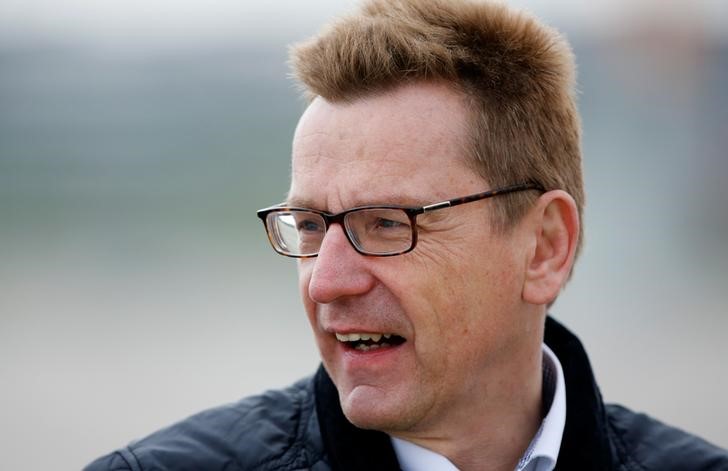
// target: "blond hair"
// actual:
[[518, 76]]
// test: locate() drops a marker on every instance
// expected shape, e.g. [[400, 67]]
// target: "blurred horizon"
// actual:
[[186, 22], [136, 283]]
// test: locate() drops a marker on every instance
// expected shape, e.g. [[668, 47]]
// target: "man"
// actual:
[[435, 207]]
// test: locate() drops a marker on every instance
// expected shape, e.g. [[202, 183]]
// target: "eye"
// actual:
[[390, 224], [377, 225], [383, 223], [309, 225]]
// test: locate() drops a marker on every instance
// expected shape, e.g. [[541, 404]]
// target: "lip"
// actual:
[[375, 361], [333, 332], [351, 330]]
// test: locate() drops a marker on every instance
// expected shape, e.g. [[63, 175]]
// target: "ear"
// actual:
[[555, 231]]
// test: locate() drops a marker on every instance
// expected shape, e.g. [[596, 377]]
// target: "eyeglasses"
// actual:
[[380, 231]]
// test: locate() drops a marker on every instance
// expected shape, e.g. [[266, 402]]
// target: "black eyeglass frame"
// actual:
[[411, 211]]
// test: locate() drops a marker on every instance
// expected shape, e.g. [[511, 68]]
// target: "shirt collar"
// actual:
[[541, 453], [413, 457]]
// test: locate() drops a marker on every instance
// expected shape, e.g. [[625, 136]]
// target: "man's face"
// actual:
[[453, 305]]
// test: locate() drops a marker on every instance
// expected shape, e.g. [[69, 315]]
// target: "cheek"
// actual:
[[447, 280], [457, 308], [435, 295]]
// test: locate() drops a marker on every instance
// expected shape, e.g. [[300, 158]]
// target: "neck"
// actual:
[[494, 428]]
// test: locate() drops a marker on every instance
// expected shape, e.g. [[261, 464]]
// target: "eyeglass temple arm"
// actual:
[[433, 207], [480, 196]]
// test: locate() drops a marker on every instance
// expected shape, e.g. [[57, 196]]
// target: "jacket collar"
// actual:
[[585, 443]]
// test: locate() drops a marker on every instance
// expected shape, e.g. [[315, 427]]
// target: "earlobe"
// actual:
[[555, 226]]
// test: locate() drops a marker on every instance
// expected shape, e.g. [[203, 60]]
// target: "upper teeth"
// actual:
[[354, 337]]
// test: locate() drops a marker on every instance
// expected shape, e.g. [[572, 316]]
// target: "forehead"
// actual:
[[405, 146]]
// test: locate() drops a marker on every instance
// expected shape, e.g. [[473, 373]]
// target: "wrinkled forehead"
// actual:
[[405, 146]]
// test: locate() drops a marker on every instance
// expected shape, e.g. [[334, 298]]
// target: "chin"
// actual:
[[373, 409]]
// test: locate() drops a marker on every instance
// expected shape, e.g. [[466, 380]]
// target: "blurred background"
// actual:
[[138, 138]]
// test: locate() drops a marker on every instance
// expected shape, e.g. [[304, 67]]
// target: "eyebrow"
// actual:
[[299, 203], [384, 201]]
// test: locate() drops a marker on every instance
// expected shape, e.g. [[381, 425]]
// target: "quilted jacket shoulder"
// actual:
[[645, 444], [277, 430]]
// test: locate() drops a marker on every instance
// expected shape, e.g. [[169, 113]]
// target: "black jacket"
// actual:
[[303, 428]]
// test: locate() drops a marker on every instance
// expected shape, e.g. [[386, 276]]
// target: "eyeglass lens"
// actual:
[[374, 231]]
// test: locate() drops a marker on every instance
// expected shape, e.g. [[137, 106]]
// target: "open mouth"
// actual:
[[366, 341]]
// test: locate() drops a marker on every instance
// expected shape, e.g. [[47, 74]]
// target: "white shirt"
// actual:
[[541, 453]]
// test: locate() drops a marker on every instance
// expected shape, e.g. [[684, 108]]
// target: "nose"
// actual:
[[338, 270]]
